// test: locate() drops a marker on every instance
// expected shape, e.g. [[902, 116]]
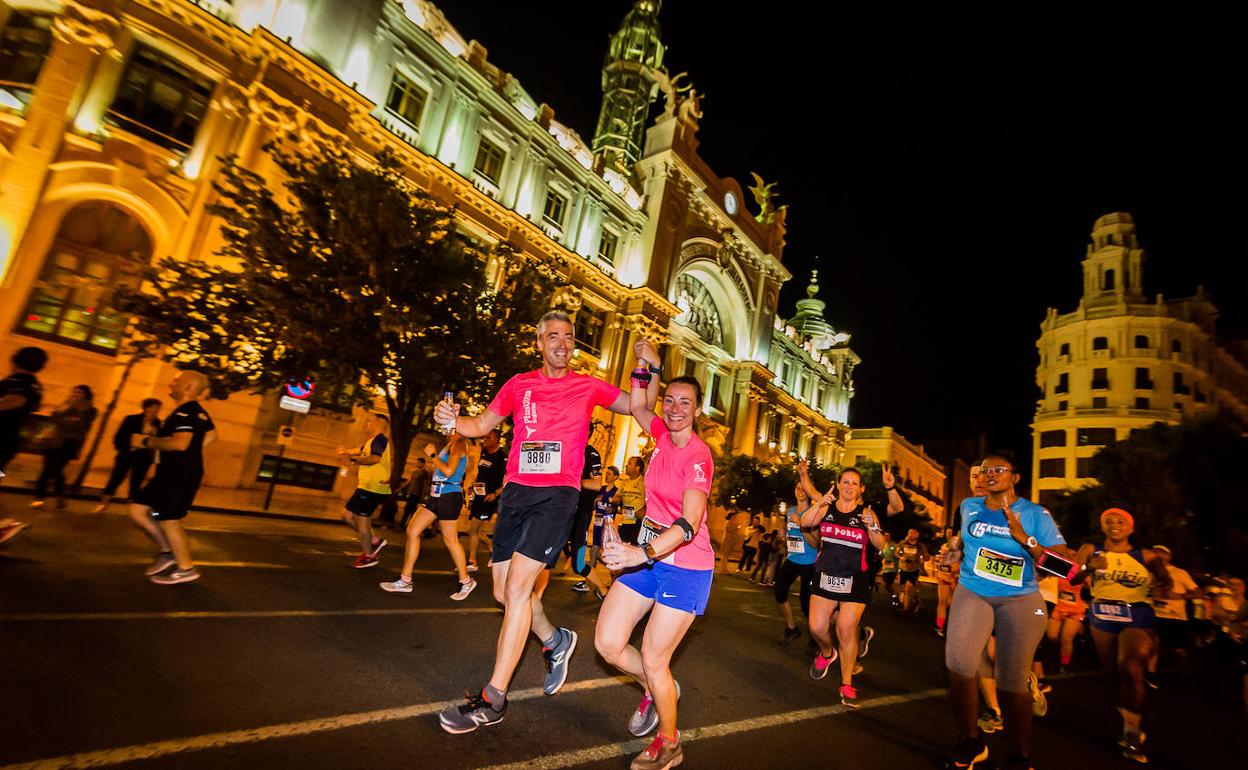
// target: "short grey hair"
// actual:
[[553, 315]]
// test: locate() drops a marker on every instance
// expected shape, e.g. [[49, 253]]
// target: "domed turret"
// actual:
[[629, 85]]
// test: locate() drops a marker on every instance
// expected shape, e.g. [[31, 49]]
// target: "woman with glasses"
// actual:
[[1001, 538]]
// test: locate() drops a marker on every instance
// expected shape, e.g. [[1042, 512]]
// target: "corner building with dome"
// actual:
[[113, 117]]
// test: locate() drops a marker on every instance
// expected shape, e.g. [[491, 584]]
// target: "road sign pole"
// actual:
[[281, 452]]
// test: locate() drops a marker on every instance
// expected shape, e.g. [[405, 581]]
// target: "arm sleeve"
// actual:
[[503, 402], [378, 445], [593, 463], [180, 421], [1046, 530]]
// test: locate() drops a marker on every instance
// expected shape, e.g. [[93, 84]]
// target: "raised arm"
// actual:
[[803, 477], [643, 399], [895, 504], [817, 509]]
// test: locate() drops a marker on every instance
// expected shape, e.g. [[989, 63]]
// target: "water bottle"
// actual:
[[449, 427], [609, 534]]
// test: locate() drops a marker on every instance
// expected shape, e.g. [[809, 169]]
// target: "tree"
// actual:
[[350, 274], [1176, 482]]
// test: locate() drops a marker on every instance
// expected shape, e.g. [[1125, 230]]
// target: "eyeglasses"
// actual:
[[994, 470]]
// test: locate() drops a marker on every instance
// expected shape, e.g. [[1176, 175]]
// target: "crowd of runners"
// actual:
[[1012, 595]]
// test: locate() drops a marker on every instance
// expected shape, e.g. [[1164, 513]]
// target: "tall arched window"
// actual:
[[97, 248], [1109, 280]]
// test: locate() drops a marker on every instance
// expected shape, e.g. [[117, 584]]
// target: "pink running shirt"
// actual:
[[672, 470], [552, 425]]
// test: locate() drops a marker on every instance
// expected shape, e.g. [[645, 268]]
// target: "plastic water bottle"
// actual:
[[609, 533], [449, 427]]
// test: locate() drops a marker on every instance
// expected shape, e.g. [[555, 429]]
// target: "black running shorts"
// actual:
[[446, 506], [534, 522], [169, 497], [365, 503], [480, 510], [908, 576]]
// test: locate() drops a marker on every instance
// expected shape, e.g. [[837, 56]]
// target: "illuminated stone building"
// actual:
[[1120, 362], [113, 116], [921, 476]]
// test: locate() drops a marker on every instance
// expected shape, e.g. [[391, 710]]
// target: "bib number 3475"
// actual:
[[999, 567]]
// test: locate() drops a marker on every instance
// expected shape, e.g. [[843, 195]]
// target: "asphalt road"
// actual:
[[285, 656]]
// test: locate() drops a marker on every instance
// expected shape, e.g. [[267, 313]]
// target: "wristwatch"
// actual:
[[651, 556], [1032, 542]]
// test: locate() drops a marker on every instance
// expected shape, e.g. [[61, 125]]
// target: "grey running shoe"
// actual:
[[557, 661], [464, 590], [164, 560], [466, 717], [173, 577], [864, 644], [397, 586], [659, 756], [646, 717], [990, 721]]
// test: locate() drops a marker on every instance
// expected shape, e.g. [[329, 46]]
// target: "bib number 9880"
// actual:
[[541, 456]]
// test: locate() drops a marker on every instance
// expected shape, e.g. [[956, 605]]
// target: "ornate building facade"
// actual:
[[113, 117], [1120, 362]]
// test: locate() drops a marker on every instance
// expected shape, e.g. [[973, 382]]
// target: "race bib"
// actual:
[[836, 585], [628, 515], [796, 543], [999, 567], [541, 457], [650, 529], [435, 490], [1111, 612], [1068, 597], [479, 489]]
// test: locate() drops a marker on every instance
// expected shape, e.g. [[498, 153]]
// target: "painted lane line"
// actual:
[[626, 748], [229, 615], [158, 749]]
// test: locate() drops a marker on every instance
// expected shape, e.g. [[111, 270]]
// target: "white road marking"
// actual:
[[157, 749], [42, 616], [626, 748]]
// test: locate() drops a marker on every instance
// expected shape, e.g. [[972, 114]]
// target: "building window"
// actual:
[[1100, 379], [1142, 402], [1141, 341], [97, 248], [407, 100], [1176, 346], [554, 209], [1100, 402], [24, 45], [1050, 438], [1109, 280], [296, 473], [1063, 383], [1096, 436], [1100, 343], [1053, 468], [160, 100], [1064, 350], [1062, 405], [1083, 467], [589, 328], [607, 244], [1200, 396], [1143, 378], [1180, 389], [489, 162]]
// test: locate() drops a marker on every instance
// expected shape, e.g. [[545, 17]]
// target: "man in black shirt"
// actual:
[[20, 395], [132, 462], [486, 488], [164, 501]]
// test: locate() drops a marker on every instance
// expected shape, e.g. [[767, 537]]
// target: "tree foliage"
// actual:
[[1177, 482], [353, 275]]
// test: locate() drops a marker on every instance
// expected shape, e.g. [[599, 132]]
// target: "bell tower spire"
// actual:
[[629, 85], [1113, 270]]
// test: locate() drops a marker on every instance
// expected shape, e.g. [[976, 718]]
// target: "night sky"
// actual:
[[944, 169]]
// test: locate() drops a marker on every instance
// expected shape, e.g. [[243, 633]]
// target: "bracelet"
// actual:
[[656, 369]]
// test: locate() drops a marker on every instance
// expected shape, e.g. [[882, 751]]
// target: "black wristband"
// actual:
[[656, 369]]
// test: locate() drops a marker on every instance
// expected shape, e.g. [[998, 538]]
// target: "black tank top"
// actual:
[[843, 543]]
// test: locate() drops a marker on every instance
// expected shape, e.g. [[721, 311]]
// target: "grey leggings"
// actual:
[[1019, 622]]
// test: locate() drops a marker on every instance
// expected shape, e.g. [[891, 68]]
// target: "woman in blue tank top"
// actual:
[[800, 551]]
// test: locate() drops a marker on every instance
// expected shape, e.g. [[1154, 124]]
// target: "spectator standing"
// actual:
[[134, 463], [20, 395], [70, 425]]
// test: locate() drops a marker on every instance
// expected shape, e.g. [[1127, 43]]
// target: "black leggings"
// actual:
[[747, 557], [786, 574], [54, 462], [134, 464]]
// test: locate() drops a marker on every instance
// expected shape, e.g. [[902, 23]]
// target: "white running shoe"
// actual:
[[464, 590], [397, 586]]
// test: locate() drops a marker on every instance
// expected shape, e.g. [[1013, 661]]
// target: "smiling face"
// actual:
[[849, 487], [1116, 526], [680, 407], [556, 341]]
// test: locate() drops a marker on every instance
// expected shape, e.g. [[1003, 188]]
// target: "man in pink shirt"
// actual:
[[551, 410]]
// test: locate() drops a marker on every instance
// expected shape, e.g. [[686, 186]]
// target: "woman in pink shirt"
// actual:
[[668, 574]]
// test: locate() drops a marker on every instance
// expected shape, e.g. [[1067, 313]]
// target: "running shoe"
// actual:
[[990, 721], [472, 566], [1016, 761], [364, 560], [1134, 751], [164, 560], [581, 587], [11, 528], [377, 546], [790, 634], [938, 631], [646, 717], [557, 661], [1044, 686], [1039, 703], [864, 644], [464, 590], [173, 577], [659, 755], [397, 586], [819, 667], [466, 717], [101, 508], [968, 753], [849, 696]]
